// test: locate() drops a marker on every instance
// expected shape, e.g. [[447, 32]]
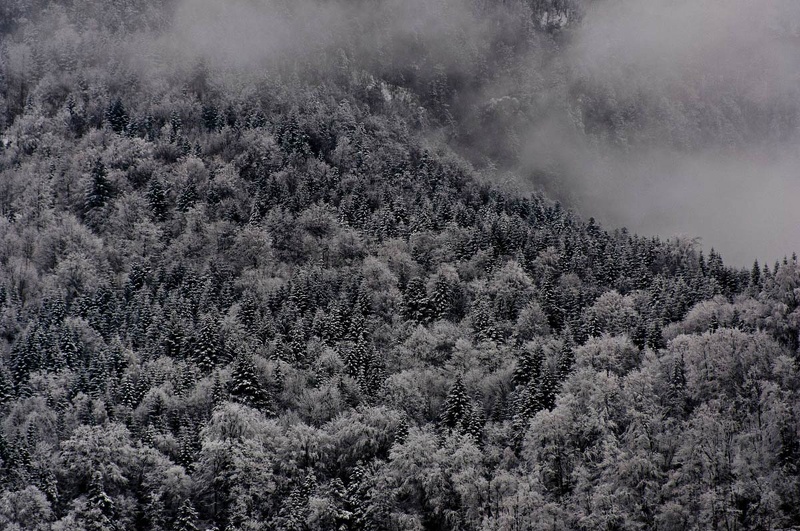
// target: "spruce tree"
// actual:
[[528, 366], [154, 512], [548, 385], [187, 518], [566, 358], [188, 196], [99, 190], [208, 347], [218, 394], [655, 336], [529, 401], [157, 200], [676, 394], [189, 444], [357, 498], [117, 116], [101, 507], [457, 407], [6, 387], [245, 386], [415, 301], [442, 299], [484, 322]]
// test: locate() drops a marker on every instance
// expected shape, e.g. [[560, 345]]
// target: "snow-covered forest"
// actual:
[[273, 265]]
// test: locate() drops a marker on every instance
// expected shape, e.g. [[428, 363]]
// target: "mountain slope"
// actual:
[[282, 302]]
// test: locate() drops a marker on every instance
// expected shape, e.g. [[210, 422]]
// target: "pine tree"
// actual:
[[529, 401], [101, 513], [157, 200], [528, 367], [25, 359], [8, 461], [117, 116], [295, 509], [188, 196], [548, 385], [208, 348], [127, 393], [401, 433], [187, 518], [442, 299], [189, 444], [6, 387], [789, 450], [639, 335], [676, 394], [154, 510], [655, 336], [357, 499], [472, 425], [174, 339], [248, 312], [550, 301], [755, 278], [415, 301], [334, 326], [457, 407], [298, 295], [484, 322], [357, 326], [566, 358], [245, 386], [99, 190], [210, 117]]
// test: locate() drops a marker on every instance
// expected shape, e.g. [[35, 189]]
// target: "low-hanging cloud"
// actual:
[[682, 118], [666, 116]]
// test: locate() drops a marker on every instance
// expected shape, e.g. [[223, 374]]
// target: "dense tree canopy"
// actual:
[[237, 301]]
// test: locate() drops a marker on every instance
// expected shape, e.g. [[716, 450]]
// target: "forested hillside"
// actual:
[[277, 297]]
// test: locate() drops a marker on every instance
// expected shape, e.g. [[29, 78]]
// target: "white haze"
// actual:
[[733, 183], [736, 188]]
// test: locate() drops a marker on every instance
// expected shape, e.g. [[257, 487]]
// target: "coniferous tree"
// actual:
[[99, 190], [187, 518], [415, 301], [457, 408], [208, 346], [566, 358], [676, 395], [245, 386], [157, 200], [529, 366], [484, 322], [6, 387], [188, 196], [117, 116], [529, 401], [218, 394], [100, 516], [154, 512], [442, 299], [315, 210]]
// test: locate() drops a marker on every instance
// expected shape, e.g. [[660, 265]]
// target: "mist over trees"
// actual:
[[262, 267]]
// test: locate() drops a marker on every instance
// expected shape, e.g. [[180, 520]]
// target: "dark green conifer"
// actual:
[[187, 518], [117, 116], [457, 407], [415, 301], [101, 507], [208, 346], [99, 190], [245, 386], [157, 200]]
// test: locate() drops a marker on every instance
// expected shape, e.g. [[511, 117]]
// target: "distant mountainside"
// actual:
[[244, 299]]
